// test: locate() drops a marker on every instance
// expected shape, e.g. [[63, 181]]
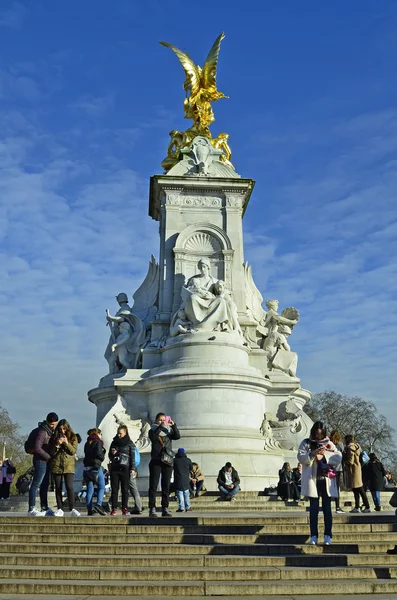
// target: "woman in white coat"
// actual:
[[319, 458]]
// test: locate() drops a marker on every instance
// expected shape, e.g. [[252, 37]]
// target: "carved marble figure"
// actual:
[[275, 328], [126, 337], [180, 324], [207, 305]]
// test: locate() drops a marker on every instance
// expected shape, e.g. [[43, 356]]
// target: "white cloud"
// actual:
[[14, 16], [94, 106], [335, 256]]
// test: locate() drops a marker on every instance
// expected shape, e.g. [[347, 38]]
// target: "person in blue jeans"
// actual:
[[228, 482], [374, 475], [182, 467], [38, 445], [320, 459], [94, 455]]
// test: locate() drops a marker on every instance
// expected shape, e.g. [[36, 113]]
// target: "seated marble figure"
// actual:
[[207, 305]]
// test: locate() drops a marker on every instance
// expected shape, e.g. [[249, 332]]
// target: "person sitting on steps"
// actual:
[[228, 482], [196, 481], [287, 488]]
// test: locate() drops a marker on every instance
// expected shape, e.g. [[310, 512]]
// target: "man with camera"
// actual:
[[161, 434]]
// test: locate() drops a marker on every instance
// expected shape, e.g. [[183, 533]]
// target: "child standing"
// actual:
[[182, 467]]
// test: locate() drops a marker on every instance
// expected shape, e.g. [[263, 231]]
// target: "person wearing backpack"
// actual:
[[122, 467], [353, 473], [38, 444], [133, 486]]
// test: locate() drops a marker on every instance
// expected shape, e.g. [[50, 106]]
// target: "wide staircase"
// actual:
[[231, 553]]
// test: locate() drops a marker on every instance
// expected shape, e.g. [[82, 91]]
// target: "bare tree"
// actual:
[[14, 441], [359, 417]]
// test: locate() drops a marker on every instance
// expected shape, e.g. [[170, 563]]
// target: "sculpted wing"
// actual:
[[254, 298], [191, 70], [209, 69], [146, 295]]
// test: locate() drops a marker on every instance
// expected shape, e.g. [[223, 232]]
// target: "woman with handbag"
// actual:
[[94, 454], [161, 434], [319, 459], [122, 466], [7, 472]]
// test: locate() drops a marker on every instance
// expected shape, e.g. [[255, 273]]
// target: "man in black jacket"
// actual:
[[163, 431], [182, 467], [228, 482], [40, 438]]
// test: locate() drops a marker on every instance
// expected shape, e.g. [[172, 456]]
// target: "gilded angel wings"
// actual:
[[200, 86]]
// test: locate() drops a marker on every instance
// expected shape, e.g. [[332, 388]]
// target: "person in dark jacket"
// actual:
[[228, 482], [122, 461], [286, 487], [41, 457], [94, 455], [182, 467], [375, 473], [161, 434]]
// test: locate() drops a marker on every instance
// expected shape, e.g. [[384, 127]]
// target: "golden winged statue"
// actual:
[[201, 90], [200, 86]]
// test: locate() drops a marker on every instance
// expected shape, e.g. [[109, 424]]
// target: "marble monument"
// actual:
[[197, 343]]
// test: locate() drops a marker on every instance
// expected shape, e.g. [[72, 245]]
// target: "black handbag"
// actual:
[[91, 475], [167, 457], [120, 462]]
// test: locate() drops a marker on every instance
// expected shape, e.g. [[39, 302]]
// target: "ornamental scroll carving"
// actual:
[[206, 201]]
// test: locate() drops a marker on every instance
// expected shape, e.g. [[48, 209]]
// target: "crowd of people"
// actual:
[[53, 445], [324, 463], [324, 466]]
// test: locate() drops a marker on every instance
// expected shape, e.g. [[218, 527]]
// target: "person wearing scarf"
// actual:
[[319, 458], [122, 466], [94, 454], [161, 434]]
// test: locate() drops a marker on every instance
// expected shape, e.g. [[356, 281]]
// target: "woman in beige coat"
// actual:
[[353, 473], [63, 452]]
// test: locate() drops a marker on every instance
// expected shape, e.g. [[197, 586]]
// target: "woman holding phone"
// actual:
[[63, 450], [319, 458], [161, 434]]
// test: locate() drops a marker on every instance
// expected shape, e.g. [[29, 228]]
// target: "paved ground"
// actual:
[[41, 597]]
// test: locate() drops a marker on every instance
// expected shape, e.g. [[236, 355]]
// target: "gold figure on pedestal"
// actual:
[[201, 90]]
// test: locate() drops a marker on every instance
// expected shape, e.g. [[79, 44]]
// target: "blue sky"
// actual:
[[87, 98]]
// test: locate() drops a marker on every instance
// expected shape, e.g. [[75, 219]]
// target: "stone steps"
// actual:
[[195, 574], [208, 560], [228, 588], [224, 554]]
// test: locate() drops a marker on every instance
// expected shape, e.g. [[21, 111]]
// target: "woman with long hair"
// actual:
[[63, 450], [354, 474], [122, 467], [336, 439], [319, 458], [94, 454]]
